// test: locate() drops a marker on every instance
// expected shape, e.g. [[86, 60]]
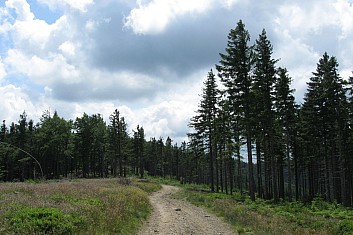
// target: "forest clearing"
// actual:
[[135, 206], [85, 206]]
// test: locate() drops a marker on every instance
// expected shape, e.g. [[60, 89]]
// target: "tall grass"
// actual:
[[265, 217], [89, 206]]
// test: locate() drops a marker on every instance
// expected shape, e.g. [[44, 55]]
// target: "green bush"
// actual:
[[43, 221], [33, 181], [319, 204], [77, 201], [147, 186], [344, 227]]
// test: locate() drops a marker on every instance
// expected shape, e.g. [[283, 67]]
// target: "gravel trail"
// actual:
[[177, 217]]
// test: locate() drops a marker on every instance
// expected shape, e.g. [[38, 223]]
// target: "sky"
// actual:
[[149, 58]]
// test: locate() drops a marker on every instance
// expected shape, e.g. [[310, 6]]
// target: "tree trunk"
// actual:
[[250, 166], [211, 164], [259, 170], [289, 167]]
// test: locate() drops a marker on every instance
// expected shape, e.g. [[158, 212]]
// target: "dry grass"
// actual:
[[107, 206], [260, 217], [262, 221]]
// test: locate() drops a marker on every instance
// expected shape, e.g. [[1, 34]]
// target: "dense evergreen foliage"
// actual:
[[303, 148], [249, 134], [87, 147]]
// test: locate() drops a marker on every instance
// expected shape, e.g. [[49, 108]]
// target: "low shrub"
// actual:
[[82, 206], [147, 186], [77, 201], [43, 221], [344, 227], [267, 217], [318, 204]]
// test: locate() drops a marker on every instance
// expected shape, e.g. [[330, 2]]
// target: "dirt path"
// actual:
[[172, 216]]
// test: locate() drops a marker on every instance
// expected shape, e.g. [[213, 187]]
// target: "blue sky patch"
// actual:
[[43, 12]]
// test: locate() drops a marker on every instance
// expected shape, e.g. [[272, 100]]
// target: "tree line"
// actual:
[[87, 147], [292, 151]]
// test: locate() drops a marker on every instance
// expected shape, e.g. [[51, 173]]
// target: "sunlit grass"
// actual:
[[96, 206], [266, 217]]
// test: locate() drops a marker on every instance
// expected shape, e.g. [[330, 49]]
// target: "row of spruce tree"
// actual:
[[293, 151], [88, 147]]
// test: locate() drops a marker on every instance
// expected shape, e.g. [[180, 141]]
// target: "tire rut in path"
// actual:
[[177, 217]]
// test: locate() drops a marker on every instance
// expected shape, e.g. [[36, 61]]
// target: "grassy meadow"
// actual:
[[84, 206], [265, 217], [119, 206]]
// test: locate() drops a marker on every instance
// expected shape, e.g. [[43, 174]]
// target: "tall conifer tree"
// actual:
[[263, 87], [285, 110], [325, 118], [204, 121], [234, 70]]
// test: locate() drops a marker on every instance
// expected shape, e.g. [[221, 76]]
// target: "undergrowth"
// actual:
[[28, 220], [87, 206], [266, 217]]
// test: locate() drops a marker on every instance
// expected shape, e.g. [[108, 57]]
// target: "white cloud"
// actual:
[[63, 78], [32, 33], [43, 71], [304, 20], [22, 9], [171, 111], [229, 3], [298, 57], [159, 128], [344, 11], [301, 20], [90, 25], [154, 16], [306, 30], [14, 101], [80, 5], [2, 70], [68, 48], [28, 33], [293, 50], [103, 108], [346, 73], [5, 25]]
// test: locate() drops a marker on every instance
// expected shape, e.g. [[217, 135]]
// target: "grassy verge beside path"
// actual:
[[266, 217], [85, 206]]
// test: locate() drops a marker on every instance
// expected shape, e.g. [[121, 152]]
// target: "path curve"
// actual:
[[176, 217]]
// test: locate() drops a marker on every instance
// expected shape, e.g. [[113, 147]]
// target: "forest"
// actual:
[[86, 147], [248, 134]]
